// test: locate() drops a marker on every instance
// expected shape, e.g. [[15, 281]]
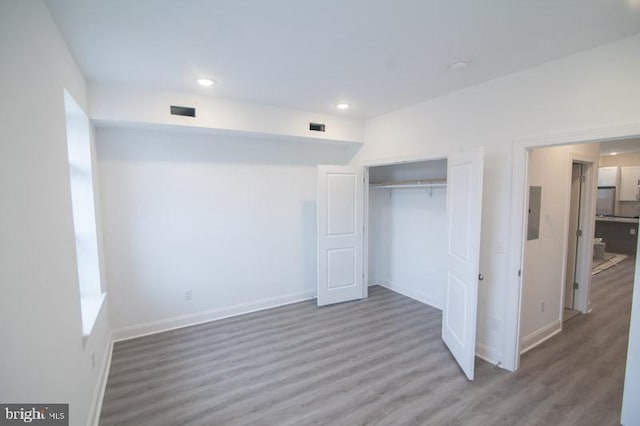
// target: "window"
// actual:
[[84, 214]]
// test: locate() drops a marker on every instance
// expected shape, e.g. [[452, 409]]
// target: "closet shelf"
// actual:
[[420, 183]]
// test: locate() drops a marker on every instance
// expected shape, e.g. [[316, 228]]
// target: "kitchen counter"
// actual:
[[618, 233], [618, 219]]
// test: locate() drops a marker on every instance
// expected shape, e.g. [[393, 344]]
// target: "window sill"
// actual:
[[90, 306]]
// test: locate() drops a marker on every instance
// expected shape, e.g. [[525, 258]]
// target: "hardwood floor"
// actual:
[[377, 361]]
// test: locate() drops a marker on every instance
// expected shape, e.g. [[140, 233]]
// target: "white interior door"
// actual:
[[340, 234], [464, 208], [573, 240]]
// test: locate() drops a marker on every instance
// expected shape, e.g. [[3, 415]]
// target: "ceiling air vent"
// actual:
[[182, 110], [316, 127]]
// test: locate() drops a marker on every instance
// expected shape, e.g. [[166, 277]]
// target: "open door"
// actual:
[[464, 207], [340, 234], [573, 241]]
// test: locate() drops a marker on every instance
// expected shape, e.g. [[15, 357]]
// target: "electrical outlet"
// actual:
[[188, 295], [542, 306], [632, 231]]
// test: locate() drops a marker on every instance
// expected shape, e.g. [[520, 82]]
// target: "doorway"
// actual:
[[342, 260], [617, 139], [407, 229], [560, 226]]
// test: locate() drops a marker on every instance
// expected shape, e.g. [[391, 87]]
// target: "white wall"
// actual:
[[631, 397], [545, 257], [233, 220], [43, 357], [591, 90]]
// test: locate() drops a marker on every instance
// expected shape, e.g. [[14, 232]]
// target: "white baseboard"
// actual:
[[532, 340], [489, 354], [153, 327], [415, 295], [98, 393]]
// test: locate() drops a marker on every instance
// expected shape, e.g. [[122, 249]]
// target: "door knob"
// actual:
[[480, 277]]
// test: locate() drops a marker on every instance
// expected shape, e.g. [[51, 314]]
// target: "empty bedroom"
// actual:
[[223, 212]]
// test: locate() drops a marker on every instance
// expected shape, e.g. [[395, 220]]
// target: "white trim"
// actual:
[[101, 385], [515, 259], [542, 334], [516, 225], [154, 327], [412, 294], [365, 237], [488, 353]]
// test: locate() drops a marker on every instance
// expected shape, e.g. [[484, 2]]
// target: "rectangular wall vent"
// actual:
[[316, 127], [182, 110]]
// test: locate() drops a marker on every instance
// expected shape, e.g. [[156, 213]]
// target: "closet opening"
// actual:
[[411, 226], [408, 229]]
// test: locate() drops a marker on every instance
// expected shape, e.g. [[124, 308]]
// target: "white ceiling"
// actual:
[[378, 55]]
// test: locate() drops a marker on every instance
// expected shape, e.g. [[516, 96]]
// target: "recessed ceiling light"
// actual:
[[459, 65], [343, 106], [206, 82]]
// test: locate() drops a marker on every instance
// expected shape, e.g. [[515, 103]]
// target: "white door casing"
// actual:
[[340, 234], [464, 207]]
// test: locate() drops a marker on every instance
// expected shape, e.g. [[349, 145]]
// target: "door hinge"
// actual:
[[519, 272], [579, 233], [576, 286], [583, 179]]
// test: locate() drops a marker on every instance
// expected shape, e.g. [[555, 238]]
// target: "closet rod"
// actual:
[[416, 183]]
